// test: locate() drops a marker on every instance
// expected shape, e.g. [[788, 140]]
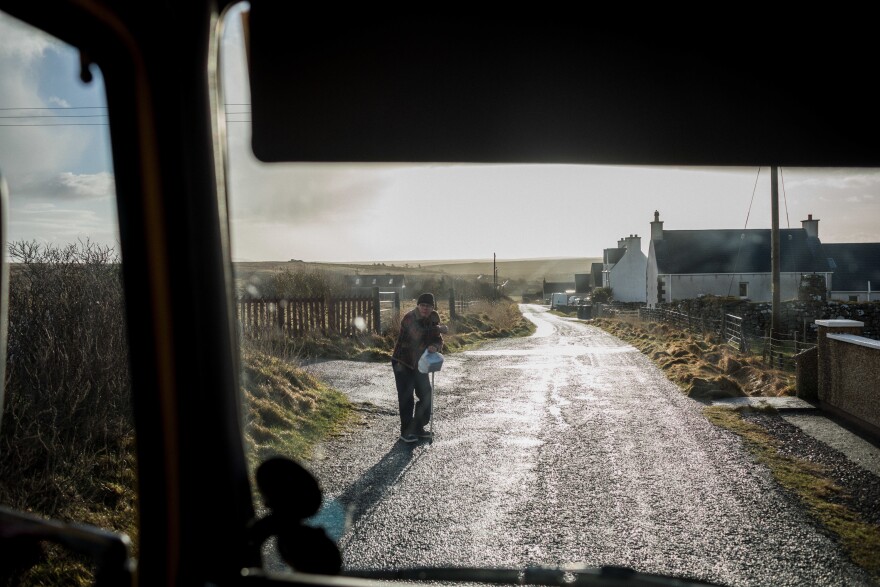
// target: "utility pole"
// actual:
[[494, 279], [774, 249]]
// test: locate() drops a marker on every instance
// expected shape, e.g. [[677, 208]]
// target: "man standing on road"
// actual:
[[420, 329]]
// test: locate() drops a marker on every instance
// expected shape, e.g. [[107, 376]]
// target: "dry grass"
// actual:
[[289, 411], [703, 366]]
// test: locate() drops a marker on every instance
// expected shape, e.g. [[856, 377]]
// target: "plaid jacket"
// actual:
[[416, 334]]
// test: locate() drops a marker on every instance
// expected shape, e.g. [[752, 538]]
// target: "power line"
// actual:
[[742, 236], [784, 198], [17, 116], [84, 107], [58, 108], [62, 124]]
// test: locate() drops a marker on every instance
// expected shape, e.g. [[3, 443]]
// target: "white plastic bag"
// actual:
[[430, 362]]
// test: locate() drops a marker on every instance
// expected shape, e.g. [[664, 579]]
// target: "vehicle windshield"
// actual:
[[543, 440], [514, 367]]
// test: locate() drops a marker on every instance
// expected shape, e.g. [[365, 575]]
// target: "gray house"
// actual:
[[364, 284], [551, 287], [856, 269], [684, 264]]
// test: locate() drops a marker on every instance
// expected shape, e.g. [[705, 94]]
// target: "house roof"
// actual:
[[558, 286], [854, 265], [737, 251], [613, 256], [384, 280]]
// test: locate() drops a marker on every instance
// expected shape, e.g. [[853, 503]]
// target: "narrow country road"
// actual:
[[568, 446]]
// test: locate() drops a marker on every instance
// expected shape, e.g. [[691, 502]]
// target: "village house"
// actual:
[[364, 284], [856, 269], [684, 264], [624, 270], [552, 287]]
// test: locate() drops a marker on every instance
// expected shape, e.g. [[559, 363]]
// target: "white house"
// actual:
[[624, 270], [684, 264]]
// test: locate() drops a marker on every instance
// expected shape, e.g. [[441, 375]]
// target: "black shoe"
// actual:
[[422, 433], [409, 437]]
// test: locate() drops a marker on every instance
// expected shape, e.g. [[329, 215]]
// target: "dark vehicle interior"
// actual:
[[430, 91]]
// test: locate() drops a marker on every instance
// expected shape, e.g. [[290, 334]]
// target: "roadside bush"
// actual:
[[602, 295], [295, 283], [67, 409]]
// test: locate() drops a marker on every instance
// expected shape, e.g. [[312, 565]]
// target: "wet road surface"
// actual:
[[568, 446]]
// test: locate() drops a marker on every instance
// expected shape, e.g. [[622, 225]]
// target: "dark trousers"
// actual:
[[415, 413]]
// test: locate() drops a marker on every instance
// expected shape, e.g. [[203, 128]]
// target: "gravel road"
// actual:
[[568, 446]]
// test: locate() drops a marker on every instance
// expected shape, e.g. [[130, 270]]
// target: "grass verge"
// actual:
[[289, 410], [811, 483], [703, 366]]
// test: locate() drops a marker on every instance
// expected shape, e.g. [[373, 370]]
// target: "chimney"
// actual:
[[621, 243], [634, 243], [811, 226], [657, 227]]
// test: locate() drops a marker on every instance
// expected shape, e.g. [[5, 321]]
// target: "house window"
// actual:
[[853, 298], [744, 289]]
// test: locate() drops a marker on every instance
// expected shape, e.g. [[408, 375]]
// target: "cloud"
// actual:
[[20, 41], [66, 186], [28, 150], [861, 198], [45, 222], [60, 102], [832, 179]]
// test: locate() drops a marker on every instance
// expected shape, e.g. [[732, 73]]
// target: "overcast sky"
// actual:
[[61, 184]]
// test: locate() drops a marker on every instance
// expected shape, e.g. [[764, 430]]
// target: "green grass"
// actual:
[[813, 486], [289, 410]]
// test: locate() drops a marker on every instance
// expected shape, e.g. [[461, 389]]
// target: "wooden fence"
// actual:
[[297, 317]]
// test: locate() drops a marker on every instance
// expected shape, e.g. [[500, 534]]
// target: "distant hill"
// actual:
[[526, 273]]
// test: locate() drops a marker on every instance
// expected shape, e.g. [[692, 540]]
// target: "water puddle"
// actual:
[[560, 351]]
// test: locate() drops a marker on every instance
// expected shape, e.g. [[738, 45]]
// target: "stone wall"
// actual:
[[795, 316]]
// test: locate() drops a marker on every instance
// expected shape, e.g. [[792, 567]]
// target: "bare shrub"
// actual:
[[295, 283], [68, 408]]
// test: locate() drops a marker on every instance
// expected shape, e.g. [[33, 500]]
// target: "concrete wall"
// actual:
[[849, 372]]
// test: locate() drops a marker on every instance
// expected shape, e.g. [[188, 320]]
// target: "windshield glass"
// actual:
[[542, 439]]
